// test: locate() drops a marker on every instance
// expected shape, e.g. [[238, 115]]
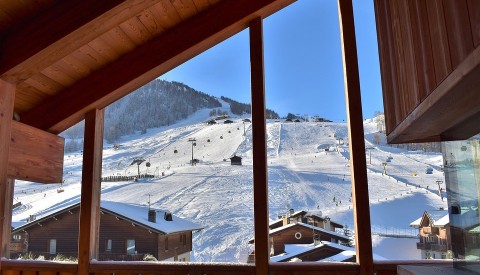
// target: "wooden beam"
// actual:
[[450, 112], [7, 99], [259, 133], [358, 166], [58, 32], [90, 197], [35, 155], [148, 61]]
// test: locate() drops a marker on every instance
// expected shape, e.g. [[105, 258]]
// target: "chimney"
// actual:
[[168, 216], [152, 216]]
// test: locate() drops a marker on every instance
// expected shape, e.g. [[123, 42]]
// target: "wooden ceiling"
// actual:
[[69, 57]]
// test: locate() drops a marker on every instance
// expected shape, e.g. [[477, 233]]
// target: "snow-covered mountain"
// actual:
[[217, 195]]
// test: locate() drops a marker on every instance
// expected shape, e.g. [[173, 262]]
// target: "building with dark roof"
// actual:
[[127, 232]]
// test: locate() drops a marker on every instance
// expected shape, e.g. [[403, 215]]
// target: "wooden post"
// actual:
[[90, 197], [358, 166], [260, 180], [7, 99]]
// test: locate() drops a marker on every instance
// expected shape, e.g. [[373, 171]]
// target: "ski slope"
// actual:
[[219, 196]]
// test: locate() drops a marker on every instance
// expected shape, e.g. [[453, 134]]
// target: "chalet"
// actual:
[[304, 228], [236, 160], [311, 217], [54, 75], [127, 232], [434, 233]]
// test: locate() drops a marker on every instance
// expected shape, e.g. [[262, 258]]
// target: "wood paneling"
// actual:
[[64, 229], [457, 20], [58, 32], [422, 49], [147, 62], [386, 55], [35, 155], [119, 231], [474, 13], [421, 43]]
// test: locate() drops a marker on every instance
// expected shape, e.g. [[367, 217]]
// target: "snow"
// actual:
[[136, 213], [219, 197]]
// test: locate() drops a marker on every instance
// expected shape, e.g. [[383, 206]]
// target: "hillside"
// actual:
[[158, 103], [219, 196]]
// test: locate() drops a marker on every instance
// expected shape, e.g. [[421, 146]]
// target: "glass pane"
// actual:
[[308, 172], [177, 164], [462, 173], [53, 247], [131, 247]]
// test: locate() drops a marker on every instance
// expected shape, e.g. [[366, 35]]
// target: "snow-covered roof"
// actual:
[[333, 233], [437, 218], [139, 214], [294, 250], [135, 213], [416, 223], [347, 254]]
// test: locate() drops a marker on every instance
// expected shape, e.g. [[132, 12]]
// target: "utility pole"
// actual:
[[193, 141]]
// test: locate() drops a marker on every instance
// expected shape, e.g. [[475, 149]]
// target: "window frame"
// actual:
[[127, 250]]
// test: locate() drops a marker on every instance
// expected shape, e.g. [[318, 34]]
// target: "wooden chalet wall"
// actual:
[[119, 231], [428, 65], [63, 228], [176, 245], [287, 236]]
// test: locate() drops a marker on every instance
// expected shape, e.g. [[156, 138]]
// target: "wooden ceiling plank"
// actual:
[[118, 40], [86, 59], [74, 73], [103, 49], [166, 14], [185, 8], [44, 84], [58, 32], [150, 22], [136, 31], [148, 61], [201, 5], [56, 73]]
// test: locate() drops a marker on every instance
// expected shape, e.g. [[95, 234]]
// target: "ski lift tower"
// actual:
[[137, 161], [194, 143]]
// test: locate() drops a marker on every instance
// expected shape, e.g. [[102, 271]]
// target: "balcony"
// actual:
[[424, 246], [439, 247], [430, 230]]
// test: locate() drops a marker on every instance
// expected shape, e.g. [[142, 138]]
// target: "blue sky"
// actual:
[[303, 63]]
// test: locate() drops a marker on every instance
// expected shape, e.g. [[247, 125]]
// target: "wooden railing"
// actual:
[[23, 267]]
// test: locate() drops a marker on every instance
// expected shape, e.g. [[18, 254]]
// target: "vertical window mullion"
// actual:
[[260, 181]]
